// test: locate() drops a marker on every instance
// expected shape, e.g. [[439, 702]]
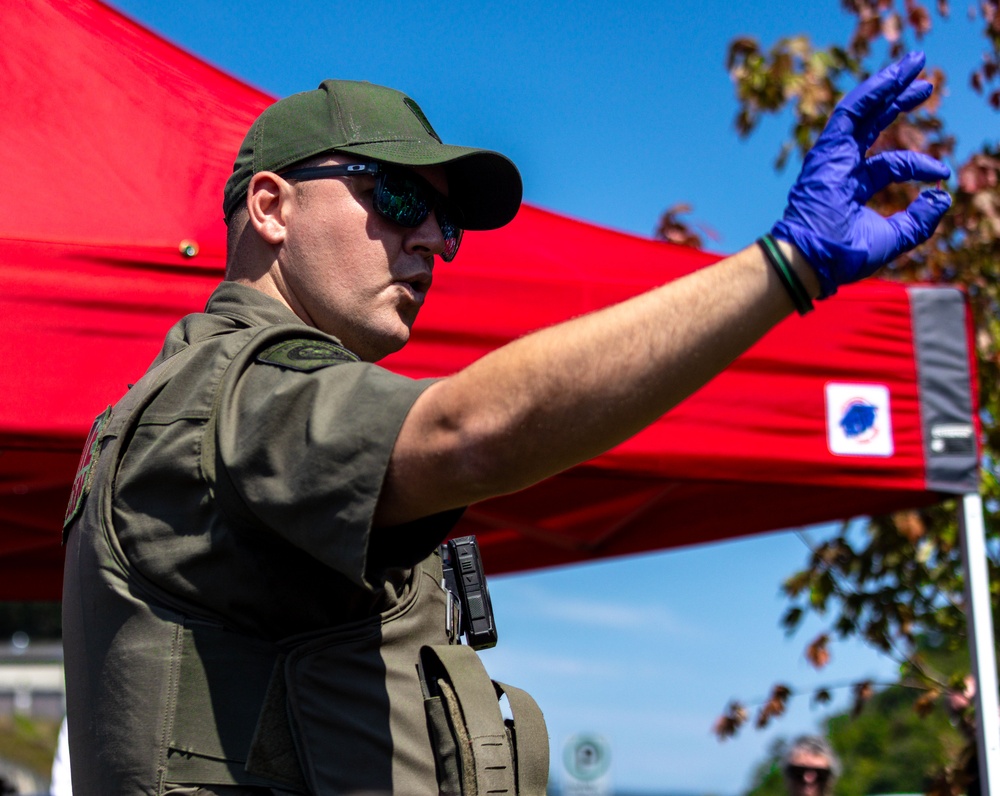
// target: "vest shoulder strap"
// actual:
[[494, 756]]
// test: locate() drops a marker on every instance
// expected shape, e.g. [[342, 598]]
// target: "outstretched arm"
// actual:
[[563, 395]]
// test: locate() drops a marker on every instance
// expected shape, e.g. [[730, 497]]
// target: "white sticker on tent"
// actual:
[[858, 422]]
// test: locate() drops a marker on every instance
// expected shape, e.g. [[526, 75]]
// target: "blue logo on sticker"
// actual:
[[859, 417]]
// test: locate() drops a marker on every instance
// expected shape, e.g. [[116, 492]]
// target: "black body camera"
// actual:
[[466, 583]]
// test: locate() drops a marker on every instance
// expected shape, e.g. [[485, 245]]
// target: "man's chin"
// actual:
[[385, 346]]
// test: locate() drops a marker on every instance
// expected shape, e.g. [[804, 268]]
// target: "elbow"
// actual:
[[470, 452], [474, 459]]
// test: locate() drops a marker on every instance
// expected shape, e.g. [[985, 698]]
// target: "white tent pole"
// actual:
[[981, 645]]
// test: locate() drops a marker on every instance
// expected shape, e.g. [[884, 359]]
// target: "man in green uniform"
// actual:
[[253, 598]]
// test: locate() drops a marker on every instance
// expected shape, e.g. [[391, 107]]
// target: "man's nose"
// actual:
[[426, 237]]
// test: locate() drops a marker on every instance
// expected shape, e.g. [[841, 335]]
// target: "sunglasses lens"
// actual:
[[451, 232], [402, 200], [407, 201], [802, 773]]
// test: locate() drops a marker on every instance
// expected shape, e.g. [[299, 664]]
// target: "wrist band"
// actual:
[[789, 279]]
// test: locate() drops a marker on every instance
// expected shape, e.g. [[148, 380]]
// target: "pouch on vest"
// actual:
[[477, 751]]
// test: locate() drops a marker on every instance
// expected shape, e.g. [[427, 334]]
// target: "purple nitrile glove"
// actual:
[[826, 217]]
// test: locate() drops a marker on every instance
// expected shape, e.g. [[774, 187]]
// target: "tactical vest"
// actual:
[[160, 695]]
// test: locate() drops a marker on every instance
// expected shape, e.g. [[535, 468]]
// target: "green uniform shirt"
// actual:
[[285, 544], [239, 500]]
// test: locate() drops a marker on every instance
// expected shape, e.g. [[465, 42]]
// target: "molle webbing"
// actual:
[[530, 741], [490, 755]]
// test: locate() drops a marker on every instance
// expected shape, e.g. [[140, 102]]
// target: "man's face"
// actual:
[[807, 774], [352, 273]]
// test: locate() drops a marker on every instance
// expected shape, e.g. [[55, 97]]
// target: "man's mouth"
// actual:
[[417, 285]]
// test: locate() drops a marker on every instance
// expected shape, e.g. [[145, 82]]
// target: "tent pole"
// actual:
[[981, 645]]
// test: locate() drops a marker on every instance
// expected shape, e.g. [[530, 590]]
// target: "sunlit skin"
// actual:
[[346, 270], [809, 785]]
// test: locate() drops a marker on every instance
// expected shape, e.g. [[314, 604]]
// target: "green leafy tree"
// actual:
[[920, 747], [898, 579], [767, 779]]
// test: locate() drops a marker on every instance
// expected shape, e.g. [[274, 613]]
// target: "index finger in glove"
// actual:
[[897, 166], [915, 94], [855, 113]]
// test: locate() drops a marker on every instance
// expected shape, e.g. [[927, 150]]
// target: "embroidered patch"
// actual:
[[85, 469], [306, 355]]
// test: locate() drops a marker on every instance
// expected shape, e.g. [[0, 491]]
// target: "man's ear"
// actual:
[[268, 200]]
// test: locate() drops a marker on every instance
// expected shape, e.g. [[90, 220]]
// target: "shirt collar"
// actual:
[[249, 306]]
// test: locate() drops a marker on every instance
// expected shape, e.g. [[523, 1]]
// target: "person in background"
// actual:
[[810, 767]]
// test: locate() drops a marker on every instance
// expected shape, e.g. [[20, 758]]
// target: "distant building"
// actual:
[[31, 678]]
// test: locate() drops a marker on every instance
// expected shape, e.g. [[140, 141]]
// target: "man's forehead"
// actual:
[[803, 757]]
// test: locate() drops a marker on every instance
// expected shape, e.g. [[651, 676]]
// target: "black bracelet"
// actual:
[[788, 277]]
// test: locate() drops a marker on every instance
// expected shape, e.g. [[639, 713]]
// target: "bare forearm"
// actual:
[[565, 394]]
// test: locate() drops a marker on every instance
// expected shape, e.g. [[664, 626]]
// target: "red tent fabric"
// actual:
[[119, 144]]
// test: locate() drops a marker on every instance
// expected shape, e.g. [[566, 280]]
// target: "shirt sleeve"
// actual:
[[304, 454]]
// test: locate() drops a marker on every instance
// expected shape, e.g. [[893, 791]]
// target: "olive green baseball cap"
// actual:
[[369, 121]]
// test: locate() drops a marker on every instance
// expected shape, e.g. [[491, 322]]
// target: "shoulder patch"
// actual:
[[306, 355], [85, 470]]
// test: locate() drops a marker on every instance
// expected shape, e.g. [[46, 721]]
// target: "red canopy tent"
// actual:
[[117, 144]]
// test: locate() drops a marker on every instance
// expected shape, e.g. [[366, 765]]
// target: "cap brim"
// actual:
[[485, 186]]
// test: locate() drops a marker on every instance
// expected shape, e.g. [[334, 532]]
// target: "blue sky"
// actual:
[[614, 112]]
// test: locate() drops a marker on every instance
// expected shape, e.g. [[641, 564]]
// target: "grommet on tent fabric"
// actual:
[[188, 248]]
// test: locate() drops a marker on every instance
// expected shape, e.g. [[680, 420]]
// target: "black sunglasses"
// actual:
[[400, 196], [798, 773]]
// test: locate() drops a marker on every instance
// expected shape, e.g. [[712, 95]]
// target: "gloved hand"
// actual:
[[826, 218]]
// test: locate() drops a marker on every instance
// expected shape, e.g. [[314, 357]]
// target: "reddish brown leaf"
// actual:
[[739, 49], [980, 173], [869, 29], [910, 525], [892, 27], [775, 705], [675, 230], [818, 652], [924, 704], [937, 79], [723, 728], [919, 19], [863, 691], [822, 697], [729, 722]]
